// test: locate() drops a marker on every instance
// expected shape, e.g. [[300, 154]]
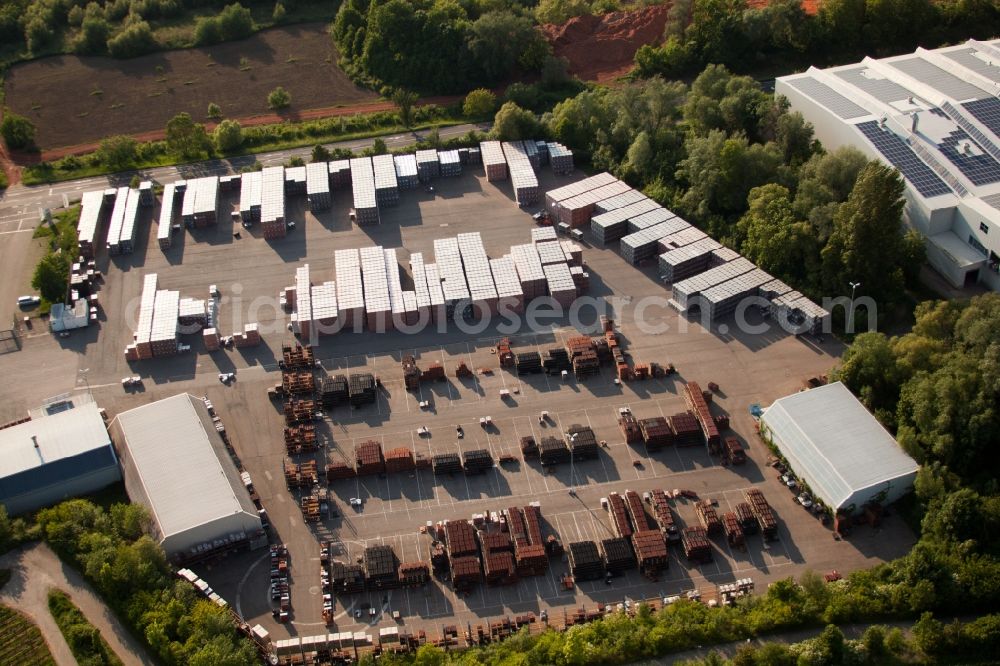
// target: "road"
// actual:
[[20, 205], [35, 569]]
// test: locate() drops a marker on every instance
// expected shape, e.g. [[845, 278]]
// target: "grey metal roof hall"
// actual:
[[834, 444], [175, 464]]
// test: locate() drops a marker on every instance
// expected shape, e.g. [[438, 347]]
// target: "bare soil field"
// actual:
[[74, 100]]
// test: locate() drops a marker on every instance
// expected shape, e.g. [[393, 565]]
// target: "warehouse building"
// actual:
[[176, 465], [838, 448], [55, 456], [935, 116]]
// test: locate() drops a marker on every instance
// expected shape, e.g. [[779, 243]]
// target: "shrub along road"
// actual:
[[34, 570]]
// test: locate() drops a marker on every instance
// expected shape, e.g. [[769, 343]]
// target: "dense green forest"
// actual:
[[128, 28], [781, 37], [732, 159]]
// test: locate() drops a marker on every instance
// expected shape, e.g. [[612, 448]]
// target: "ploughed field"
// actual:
[[77, 100]]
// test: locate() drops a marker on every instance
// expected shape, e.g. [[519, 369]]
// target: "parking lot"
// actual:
[[750, 368]]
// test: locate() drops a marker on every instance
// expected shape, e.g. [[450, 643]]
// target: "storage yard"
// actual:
[[419, 433]]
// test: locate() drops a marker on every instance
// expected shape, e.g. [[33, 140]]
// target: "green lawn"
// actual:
[[20, 641], [86, 642]]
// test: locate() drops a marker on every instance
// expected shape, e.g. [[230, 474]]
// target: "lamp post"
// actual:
[[850, 319], [572, 478]]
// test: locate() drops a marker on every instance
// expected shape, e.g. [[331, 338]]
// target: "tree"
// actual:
[[233, 22], [720, 100], [228, 135], [379, 147], [17, 131], [866, 245], [500, 40], [134, 40], [825, 181], [320, 154], [118, 152], [869, 370], [513, 123], [555, 71], [185, 137], [560, 11], [93, 37], [775, 240], [214, 112], [279, 98], [404, 101], [479, 103], [51, 277], [6, 533], [278, 15]]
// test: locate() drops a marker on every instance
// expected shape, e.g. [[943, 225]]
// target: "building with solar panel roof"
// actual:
[[934, 116]]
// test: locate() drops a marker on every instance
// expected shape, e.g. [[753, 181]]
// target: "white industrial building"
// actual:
[[176, 465], [935, 116], [838, 448], [64, 451]]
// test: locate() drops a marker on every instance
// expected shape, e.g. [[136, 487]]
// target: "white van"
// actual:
[[23, 301]]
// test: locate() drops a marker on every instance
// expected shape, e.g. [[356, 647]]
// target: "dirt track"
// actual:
[[74, 100], [35, 569]]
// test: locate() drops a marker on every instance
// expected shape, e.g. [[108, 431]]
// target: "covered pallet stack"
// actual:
[[363, 187], [529, 271], [552, 451], [381, 567], [697, 547], [695, 400], [577, 211], [428, 165], [616, 201], [446, 463], [318, 186], [350, 289], [680, 260], [708, 517], [664, 515], [582, 442], [498, 568], [612, 225], [386, 185], [399, 460], [585, 561], [651, 551], [333, 391], [92, 209], [451, 163], [618, 554], [619, 516], [640, 245], [479, 277], [555, 198], [510, 293], [477, 461], [685, 293], [164, 229], [378, 308], [560, 284], [251, 197], [762, 512], [560, 158], [733, 530], [522, 173], [272, 203], [340, 173], [368, 458], [465, 572], [406, 171], [686, 429], [493, 160], [656, 433], [550, 252], [361, 389]]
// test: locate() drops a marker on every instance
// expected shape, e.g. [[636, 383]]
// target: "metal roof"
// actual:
[[180, 464], [62, 435], [937, 78], [834, 443]]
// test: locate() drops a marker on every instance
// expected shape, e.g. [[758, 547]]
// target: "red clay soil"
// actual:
[[602, 48], [8, 167], [268, 119], [811, 6]]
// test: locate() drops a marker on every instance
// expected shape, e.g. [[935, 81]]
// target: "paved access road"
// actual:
[[20, 205], [35, 569]]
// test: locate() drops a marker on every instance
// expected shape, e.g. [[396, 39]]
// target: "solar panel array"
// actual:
[[901, 156], [828, 97], [967, 58], [986, 111], [937, 78], [981, 169], [882, 89]]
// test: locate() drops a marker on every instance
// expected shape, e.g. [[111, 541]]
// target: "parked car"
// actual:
[[804, 500], [25, 301], [789, 481], [356, 502]]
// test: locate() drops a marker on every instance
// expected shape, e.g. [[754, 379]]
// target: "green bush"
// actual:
[[134, 40], [17, 131], [228, 135], [233, 22], [84, 640], [479, 103], [279, 98]]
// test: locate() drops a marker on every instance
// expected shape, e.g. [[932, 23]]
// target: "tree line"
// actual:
[[781, 36], [437, 46], [733, 160]]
